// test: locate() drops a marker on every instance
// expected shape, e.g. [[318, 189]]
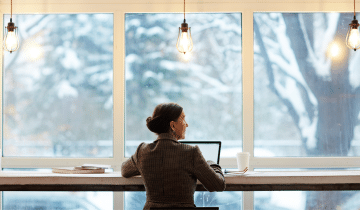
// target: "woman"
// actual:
[[170, 169]]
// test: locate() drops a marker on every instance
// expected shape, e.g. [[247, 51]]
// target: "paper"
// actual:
[[237, 173]]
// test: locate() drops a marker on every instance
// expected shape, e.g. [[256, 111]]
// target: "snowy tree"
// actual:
[[314, 75]]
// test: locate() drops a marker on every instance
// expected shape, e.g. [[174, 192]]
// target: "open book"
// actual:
[[84, 169]]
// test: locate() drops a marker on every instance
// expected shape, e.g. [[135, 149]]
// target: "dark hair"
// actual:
[[162, 116]]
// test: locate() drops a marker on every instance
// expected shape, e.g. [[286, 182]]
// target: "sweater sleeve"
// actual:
[[128, 168], [208, 172]]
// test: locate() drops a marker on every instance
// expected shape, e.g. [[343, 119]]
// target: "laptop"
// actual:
[[209, 149]]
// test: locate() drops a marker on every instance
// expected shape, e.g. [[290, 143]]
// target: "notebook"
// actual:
[[209, 149]]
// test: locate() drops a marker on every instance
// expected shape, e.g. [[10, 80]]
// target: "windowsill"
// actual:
[[113, 181]]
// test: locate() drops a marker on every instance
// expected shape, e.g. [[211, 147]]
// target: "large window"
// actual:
[[306, 97], [206, 82], [306, 85], [57, 88], [277, 83], [57, 100]]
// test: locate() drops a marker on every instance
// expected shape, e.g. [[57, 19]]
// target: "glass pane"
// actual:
[[57, 88], [303, 200], [306, 200], [223, 200], [206, 82], [55, 200], [306, 86]]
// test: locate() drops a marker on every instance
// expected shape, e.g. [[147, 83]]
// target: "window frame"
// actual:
[[246, 8]]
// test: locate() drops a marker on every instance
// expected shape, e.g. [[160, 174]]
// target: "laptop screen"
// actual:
[[209, 149]]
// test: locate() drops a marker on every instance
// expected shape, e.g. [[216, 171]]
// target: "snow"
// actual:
[[149, 74], [66, 90], [292, 200], [109, 103], [354, 73], [129, 61], [71, 60], [140, 31], [84, 30], [154, 31]]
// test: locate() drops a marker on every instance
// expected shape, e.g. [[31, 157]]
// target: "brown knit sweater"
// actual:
[[170, 171]]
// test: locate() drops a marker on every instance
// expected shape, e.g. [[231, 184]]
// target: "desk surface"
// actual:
[[113, 181]]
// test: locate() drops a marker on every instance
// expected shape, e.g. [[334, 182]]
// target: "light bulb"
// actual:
[[184, 43], [11, 41], [354, 38]]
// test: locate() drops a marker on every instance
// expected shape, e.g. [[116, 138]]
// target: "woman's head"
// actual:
[[163, 115]]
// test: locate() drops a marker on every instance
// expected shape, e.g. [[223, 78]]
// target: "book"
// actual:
[[78, 170], [84, 169]]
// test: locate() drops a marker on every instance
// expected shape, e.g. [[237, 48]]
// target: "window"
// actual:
[[206, 82], [55, 200], [223, 200], [305, 85], [57, 100], [132, 65], [57, 88]]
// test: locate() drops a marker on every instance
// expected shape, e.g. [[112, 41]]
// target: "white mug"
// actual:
[[242, 159]]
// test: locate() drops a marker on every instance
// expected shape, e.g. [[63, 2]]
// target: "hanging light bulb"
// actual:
[[353, 35], [184, 42], [11, 39]]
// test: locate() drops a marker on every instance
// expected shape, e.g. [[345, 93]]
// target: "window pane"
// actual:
[[58, 200], [304, 200], [57, 88], [306, 85], [223, 200], [206, 82], [55, 200]]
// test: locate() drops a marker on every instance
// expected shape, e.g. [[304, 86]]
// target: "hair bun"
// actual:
[[148, 120], [158, 124], [162, 116]]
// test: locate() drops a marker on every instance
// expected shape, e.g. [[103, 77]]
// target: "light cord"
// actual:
[[184, 9], [354, 8], [11, 10]]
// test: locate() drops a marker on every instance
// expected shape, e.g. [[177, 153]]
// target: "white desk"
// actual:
[[252, 181]]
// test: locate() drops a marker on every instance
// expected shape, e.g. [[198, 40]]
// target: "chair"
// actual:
[[185, 208]]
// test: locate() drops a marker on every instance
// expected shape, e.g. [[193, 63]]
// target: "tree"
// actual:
[[314, 85]]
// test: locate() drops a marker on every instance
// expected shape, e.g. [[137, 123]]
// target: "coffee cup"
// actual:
[[242, 159]]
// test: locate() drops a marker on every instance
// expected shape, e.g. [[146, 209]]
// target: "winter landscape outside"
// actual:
[[205, 82], [57, 100], [57, 88], [306, 96]]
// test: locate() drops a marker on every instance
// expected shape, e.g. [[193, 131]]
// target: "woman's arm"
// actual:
[[208, 172], [128, 168]]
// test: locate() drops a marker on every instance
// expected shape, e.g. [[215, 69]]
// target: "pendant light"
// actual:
[[184, 42], [353, 35], [11, 40]]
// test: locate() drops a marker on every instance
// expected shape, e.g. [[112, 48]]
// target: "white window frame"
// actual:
[[119, 8]]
